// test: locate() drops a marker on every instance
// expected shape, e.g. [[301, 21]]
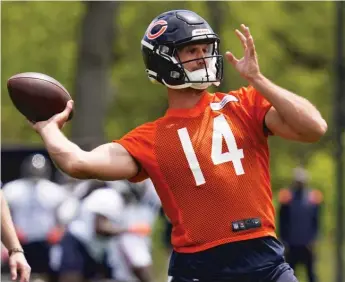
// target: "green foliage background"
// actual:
[[295, 42]]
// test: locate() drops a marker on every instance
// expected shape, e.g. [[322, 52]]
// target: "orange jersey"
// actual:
[[210, 167]]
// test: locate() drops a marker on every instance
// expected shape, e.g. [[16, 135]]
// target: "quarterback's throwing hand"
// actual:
[[248, 65], [57, 120]]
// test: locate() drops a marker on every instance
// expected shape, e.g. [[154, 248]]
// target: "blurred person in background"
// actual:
[[77, 191], [65, 180], [208, 157], [166, 234], [33, 200], [79, 256], [11, 249], [69, 210], [130, 254], [299, 217]]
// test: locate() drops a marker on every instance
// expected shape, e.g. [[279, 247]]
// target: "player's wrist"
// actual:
[[15, 250], [48, 129], [257, 78]]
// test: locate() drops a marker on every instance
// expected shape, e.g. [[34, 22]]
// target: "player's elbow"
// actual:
[[319, 130], [322, 127], [77, 167]]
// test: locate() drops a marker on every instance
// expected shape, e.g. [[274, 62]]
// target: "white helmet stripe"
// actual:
[[150, 72], [146, 44]]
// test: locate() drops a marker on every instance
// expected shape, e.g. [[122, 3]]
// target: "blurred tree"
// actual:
[[93, 70], [37, 37]]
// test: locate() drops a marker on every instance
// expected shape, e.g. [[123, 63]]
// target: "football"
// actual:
[[37, 96]]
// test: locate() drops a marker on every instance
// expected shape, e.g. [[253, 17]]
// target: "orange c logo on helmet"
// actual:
[[164, 26]]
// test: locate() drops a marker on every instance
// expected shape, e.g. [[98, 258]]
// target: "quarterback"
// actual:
[[207, 156]]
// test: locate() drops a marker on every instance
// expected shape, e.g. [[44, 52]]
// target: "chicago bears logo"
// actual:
[[163, 27]]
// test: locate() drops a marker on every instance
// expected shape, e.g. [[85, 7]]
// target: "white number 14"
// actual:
[[221, 129]]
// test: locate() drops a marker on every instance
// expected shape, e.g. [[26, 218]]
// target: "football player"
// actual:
[[130, 254], [11, 250], [80, 254], [207, 156], [299, 222], [33, 200]]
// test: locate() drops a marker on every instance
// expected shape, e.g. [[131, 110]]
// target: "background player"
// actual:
[[80, 254], [208, 156], [299, 218], [33, 201], [130, 254], [18, 265]]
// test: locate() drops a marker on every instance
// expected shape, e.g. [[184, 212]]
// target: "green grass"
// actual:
[[325, 262], [160, 254]]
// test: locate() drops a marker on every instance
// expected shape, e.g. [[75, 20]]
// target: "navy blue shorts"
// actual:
[[37, 255], [257, 260], [73, 257], [279, 273]]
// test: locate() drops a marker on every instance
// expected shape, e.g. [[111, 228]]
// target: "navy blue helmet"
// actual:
[[173, 30]]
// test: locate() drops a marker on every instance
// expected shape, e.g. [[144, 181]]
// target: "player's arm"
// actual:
[[291, 117], [110, 161], [106, 227], [8, 232], [17, 262]]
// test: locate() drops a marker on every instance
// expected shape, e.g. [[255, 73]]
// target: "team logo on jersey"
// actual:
[[163, 27], [221, 104]]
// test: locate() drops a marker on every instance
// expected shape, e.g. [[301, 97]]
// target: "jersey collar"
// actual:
[[199, 108]]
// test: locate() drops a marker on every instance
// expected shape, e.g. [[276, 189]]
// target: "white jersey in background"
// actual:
[[69, 209], [130, 250], [104, 201], [33, 206]]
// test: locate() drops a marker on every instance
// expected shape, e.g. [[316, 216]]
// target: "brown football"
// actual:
[[37, 96]]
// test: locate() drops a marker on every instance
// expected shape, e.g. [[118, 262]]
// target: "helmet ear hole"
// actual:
[[165, 49]]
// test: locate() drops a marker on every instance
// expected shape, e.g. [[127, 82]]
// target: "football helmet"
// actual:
[[36, 166], [173, 30]]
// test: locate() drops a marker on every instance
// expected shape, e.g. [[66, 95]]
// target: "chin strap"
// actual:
[[197, 75], [199, 86]]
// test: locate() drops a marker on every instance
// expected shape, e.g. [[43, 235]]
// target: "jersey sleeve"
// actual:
[[138, 142], [256, 105]]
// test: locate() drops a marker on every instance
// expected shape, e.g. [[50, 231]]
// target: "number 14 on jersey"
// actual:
[[221, 130]]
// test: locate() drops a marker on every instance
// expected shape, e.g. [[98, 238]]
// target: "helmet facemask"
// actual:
[[176, 76], [210, 71]]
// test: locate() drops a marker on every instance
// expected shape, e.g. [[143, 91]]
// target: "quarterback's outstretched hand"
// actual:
[[248, 65]]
